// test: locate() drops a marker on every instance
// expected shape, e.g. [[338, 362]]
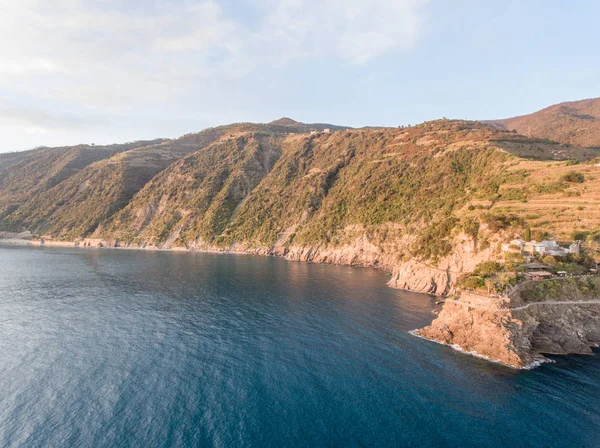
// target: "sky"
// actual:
[[108, 71]]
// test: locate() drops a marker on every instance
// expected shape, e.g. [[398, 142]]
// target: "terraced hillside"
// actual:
[[409, 190], [552, 197]]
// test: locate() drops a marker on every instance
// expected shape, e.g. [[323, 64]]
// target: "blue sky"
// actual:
[[103, 71]]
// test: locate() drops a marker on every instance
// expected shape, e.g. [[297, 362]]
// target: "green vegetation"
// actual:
[[402, 192], [565, 289], [497, 222], [573, 177], [488, 276], [488, 268], [515, 194]]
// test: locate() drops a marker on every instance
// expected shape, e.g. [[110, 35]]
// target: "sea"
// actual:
[[118, 348]]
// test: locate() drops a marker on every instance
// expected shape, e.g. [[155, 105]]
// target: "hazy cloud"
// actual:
[[125, 57], [40, 120], [354, 30]]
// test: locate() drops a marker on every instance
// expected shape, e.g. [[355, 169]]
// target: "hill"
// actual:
[[304, 127], [69, 191], [25, 174], [427, 202], [574, 123]]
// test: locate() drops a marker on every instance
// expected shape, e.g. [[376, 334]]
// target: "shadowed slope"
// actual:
[[575, 123]]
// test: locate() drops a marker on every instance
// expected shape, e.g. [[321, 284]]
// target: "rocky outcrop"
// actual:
[[485, 328], [556, 317]]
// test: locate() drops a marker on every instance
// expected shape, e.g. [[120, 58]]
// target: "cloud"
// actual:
[[34, 66], [36, 119], [133, 57], [355, 30]]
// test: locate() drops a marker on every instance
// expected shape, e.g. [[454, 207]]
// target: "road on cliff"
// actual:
[[519, 308]]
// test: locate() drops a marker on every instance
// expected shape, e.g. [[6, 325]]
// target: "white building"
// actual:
[[575, 248], [548, 247], [515, 246]]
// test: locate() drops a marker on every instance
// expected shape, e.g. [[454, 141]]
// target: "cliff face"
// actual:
[[417, 275], [555, 317]]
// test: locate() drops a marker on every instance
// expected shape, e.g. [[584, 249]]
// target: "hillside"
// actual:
[[574, 123], [24, 174], [426, 203], [253, 188], [69, 191]]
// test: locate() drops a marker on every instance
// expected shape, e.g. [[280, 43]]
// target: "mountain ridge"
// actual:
[[575, 123], [426, 203]]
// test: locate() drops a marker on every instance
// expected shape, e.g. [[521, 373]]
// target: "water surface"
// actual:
[[120, 348]]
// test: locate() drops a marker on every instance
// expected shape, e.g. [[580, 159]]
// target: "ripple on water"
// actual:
[[117, 348]]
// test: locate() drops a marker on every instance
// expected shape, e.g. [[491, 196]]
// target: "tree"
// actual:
[[592, 249], [539, 235], [490, 285], [487, 268]]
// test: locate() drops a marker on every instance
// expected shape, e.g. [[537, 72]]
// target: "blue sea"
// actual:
[[114, 348]]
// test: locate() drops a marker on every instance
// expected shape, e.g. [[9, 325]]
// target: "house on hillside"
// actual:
[[535, 267], [575, 248], [543, 248], [538, 275], [546, 247], [515, 246]]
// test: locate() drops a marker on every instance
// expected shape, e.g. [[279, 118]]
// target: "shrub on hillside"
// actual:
[[471, 282], [574, 177], [470, 226], [500, 222], [539, 235], [488, 268], [513, 260]]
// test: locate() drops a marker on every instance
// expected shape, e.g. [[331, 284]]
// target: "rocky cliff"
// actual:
[[554, 317]]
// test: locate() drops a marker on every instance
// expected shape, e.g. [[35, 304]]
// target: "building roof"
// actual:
[[536, 266], [539, 274]]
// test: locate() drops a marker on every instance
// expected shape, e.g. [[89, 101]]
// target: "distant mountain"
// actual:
[[574, 123]]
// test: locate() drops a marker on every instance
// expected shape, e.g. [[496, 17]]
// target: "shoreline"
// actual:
[[75, 245], [528, 360], [533, 365], [13, 242]]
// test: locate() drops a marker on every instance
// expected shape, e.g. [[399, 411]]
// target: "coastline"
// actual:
[[458, 348], [520, 329], [499, 330], [77, 245], [408, 274]]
